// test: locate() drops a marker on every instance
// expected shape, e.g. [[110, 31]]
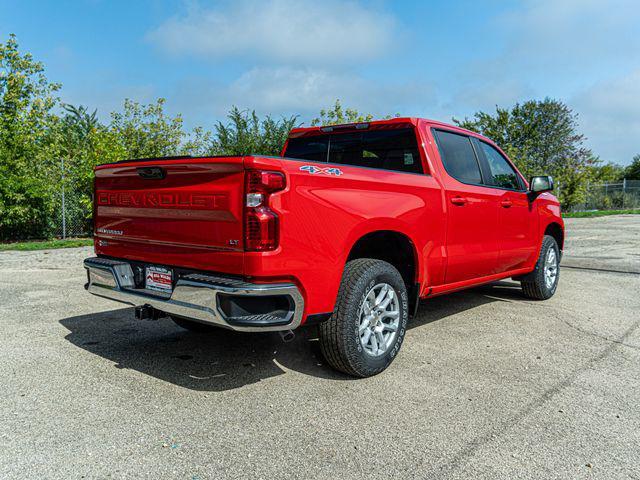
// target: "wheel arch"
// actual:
[[556, 231], [396, 248]]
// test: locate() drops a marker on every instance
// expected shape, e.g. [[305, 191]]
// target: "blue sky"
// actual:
[[416, 58]]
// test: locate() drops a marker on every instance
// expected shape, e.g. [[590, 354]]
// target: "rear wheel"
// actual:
[[542, 283], [369, 322]]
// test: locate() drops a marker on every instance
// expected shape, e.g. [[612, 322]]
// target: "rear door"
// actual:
[[472, 218], [517, 219]]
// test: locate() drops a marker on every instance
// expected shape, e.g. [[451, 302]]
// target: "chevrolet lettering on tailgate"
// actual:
[[205, 201]]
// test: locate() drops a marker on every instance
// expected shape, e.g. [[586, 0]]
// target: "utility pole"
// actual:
[[64, 211]]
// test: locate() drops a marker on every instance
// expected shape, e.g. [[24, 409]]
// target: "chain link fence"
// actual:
[[71, 219], [623, 195], [73, 210]]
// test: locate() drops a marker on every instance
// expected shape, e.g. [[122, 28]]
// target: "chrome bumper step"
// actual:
[[194, 296]]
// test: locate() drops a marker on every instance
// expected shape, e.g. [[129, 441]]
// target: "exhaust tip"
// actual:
[[287, 335]]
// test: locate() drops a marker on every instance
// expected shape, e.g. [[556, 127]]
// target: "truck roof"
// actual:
[[396, 121]]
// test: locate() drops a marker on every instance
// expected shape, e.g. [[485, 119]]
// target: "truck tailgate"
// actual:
[[172, 210]]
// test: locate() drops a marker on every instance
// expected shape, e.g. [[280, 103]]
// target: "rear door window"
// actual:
[[502, 173], [394, 149], [458, 156]]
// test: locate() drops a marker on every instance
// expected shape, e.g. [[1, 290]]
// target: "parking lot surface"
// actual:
[[487, 385]]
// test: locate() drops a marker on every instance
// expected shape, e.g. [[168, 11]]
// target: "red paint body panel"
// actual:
[[193, 218]]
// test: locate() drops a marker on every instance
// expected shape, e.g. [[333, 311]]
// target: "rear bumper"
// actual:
[[197, 296]]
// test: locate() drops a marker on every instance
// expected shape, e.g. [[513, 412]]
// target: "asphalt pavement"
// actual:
[[488, 384]]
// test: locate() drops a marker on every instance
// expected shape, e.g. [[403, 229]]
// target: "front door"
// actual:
[[517, 219]]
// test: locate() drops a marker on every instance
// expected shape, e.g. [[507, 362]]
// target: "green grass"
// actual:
[[600, 213], [47, 244]]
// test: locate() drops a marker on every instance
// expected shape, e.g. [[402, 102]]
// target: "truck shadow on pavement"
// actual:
[[224, 360]]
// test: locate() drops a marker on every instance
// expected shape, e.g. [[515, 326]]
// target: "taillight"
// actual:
[[261, 223]]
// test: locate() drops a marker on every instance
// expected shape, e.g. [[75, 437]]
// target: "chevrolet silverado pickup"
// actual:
[[349, 229]]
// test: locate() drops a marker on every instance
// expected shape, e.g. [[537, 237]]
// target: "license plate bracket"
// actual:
[[159, 279]]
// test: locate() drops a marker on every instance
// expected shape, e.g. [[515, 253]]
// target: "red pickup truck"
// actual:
[[349, 229]]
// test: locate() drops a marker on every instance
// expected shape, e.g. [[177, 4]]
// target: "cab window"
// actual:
[[393, 149], [458, 156]]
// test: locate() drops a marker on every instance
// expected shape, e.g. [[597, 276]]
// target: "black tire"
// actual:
[[192, 325], [339, 338], [534, 285]]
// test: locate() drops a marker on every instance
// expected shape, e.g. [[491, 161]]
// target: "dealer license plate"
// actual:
[[158, 279]]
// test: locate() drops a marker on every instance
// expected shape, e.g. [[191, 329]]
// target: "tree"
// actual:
[[246, 133], [79, 142], [75, 134], [146, 131], [198, 142], [541, 136], [632, 172], [26, 101], [138, 131], [606, 173], [336, 115], [82, 122]]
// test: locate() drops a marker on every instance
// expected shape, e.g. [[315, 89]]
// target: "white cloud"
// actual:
[[583, 52], [304, 91], [304, 31], [302, 55], [487, 95], [587, 53], [608, 115], [573, 34]]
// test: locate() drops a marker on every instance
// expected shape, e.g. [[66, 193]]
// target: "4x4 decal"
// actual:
[[312, 169]]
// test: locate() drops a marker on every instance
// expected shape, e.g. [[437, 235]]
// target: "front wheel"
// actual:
[[369, 322], [542, 283]]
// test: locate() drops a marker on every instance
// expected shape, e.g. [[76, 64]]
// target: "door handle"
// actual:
[[458, 200], [506, 203]]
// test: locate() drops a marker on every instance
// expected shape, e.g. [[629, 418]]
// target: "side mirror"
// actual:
[[542, 183]]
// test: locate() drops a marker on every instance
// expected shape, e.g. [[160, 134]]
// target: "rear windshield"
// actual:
[[395, 149]]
